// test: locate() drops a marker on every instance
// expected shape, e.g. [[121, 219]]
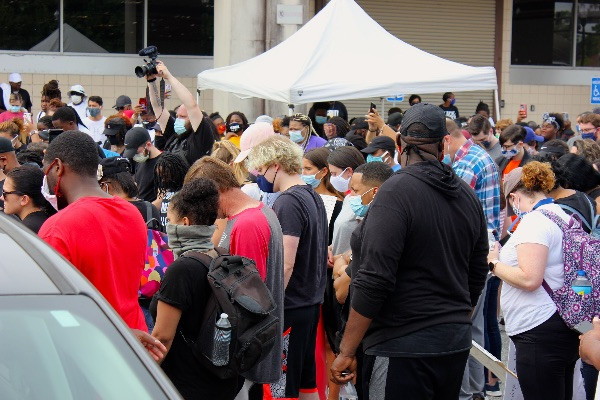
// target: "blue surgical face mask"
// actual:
[[359, 209], [588, 136], [296, 136], [447, 160], [452, 102], [311, 180], [93, 111], [509, 153], [372, 158], [179, 126], [15, 109], [264, 184], [319, 119]]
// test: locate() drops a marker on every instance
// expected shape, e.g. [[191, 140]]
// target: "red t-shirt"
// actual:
[[105, 239], [250, 237]]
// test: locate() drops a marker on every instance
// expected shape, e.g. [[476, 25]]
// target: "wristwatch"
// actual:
[[492, 264]]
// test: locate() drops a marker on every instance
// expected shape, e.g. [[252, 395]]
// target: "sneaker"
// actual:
[[493, 391], [478, 396]]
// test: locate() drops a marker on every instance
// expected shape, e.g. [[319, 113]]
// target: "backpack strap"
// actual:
[[578, 214], [205, 259]]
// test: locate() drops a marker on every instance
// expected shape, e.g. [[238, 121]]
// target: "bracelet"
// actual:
[[151, 80], [374, 130]]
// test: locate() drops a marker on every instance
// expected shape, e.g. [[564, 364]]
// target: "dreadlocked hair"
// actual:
[[169, 173]]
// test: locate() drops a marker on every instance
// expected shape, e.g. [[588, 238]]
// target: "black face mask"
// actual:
[[113, 140], [234, 127], [149, 125]]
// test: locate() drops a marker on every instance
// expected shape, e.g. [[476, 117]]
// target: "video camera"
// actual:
[[150, 67]]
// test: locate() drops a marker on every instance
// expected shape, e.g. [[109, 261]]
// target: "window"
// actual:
[[108, 26], [183, 28], [556, 33], [24, 24]]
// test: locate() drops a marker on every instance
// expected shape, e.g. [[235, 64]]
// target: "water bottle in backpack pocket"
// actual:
[[222, 340]]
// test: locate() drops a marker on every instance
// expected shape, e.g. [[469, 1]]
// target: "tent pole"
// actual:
[[382, 107], [497, 105]]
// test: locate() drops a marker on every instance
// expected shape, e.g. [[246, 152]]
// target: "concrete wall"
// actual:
[[551, 96]]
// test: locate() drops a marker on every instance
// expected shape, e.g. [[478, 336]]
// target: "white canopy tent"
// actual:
[[340, 54]]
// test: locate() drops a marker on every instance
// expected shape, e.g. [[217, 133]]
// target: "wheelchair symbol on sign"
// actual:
[[596, 91]]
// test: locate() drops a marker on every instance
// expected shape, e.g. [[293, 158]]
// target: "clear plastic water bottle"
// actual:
[[348, 392], [220, 353], [582, 285]]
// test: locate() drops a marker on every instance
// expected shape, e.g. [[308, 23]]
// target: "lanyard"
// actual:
[[547, 200]]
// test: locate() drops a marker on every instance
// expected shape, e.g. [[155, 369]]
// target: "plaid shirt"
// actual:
[[474, 165]]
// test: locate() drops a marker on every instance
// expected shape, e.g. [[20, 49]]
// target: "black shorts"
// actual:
[[299, 369]]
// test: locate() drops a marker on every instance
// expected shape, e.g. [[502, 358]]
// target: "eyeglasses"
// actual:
[[592, 130], [5, 193]]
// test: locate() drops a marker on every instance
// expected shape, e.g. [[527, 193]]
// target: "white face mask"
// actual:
[[141, 157], [339, 183], [76, 99], [50, 198]]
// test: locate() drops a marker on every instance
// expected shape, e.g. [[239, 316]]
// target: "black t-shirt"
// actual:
[[301, 214], [192, 145], [185, 287], [35, 220], [144, 177], [142, 207], [450, 111]]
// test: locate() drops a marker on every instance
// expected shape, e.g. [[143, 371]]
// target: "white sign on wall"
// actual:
[[289, 14]]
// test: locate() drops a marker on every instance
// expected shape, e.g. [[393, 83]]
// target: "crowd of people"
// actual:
[[385, 243]]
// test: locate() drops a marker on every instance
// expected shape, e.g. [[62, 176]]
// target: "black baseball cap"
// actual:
[[114, 165], [430, 115], [115, 126], [134, 138], [6, 145], [394, 119], [552, 149], [381, 143], [358, 123], [122, 101]]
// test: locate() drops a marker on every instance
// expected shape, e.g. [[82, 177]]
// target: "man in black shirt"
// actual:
[[192, 133], [303, 221], [139, 148], [421, 270], [448, 106]]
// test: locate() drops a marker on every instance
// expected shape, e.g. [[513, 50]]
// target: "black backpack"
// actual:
[[238, 291]]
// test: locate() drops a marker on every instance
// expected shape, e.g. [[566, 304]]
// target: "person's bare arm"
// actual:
[[377, 127], [167, 319], [353, 334], [290, 248], [529, 273], [187, 98]]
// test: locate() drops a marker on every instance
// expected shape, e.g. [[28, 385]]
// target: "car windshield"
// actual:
[[64, 347]]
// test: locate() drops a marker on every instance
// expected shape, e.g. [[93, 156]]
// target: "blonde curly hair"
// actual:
[[276, 150], [537, 177], [15, 127]]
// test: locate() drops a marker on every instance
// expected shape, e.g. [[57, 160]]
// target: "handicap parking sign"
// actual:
[[400, 98], [595, 91]]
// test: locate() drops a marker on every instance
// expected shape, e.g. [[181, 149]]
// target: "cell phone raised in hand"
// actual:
[[143, 102], [523, 110], [27, 117], [373, 108]]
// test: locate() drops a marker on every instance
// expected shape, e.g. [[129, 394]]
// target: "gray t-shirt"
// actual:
[[248, 234], [344, 225], [495, 151]]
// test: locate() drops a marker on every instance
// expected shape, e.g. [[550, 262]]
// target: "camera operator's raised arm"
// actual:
[[188, 100]]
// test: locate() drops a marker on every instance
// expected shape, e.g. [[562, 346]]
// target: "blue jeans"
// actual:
[[491, 331], [148, 318]]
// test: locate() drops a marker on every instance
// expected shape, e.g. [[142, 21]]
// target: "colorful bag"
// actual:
[[158, 257], [581, 252]]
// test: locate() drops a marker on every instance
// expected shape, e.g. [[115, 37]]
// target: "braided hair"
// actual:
[[169, 173]]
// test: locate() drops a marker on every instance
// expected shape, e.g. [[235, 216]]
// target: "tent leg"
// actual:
[[382, 107], [497, 105]]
